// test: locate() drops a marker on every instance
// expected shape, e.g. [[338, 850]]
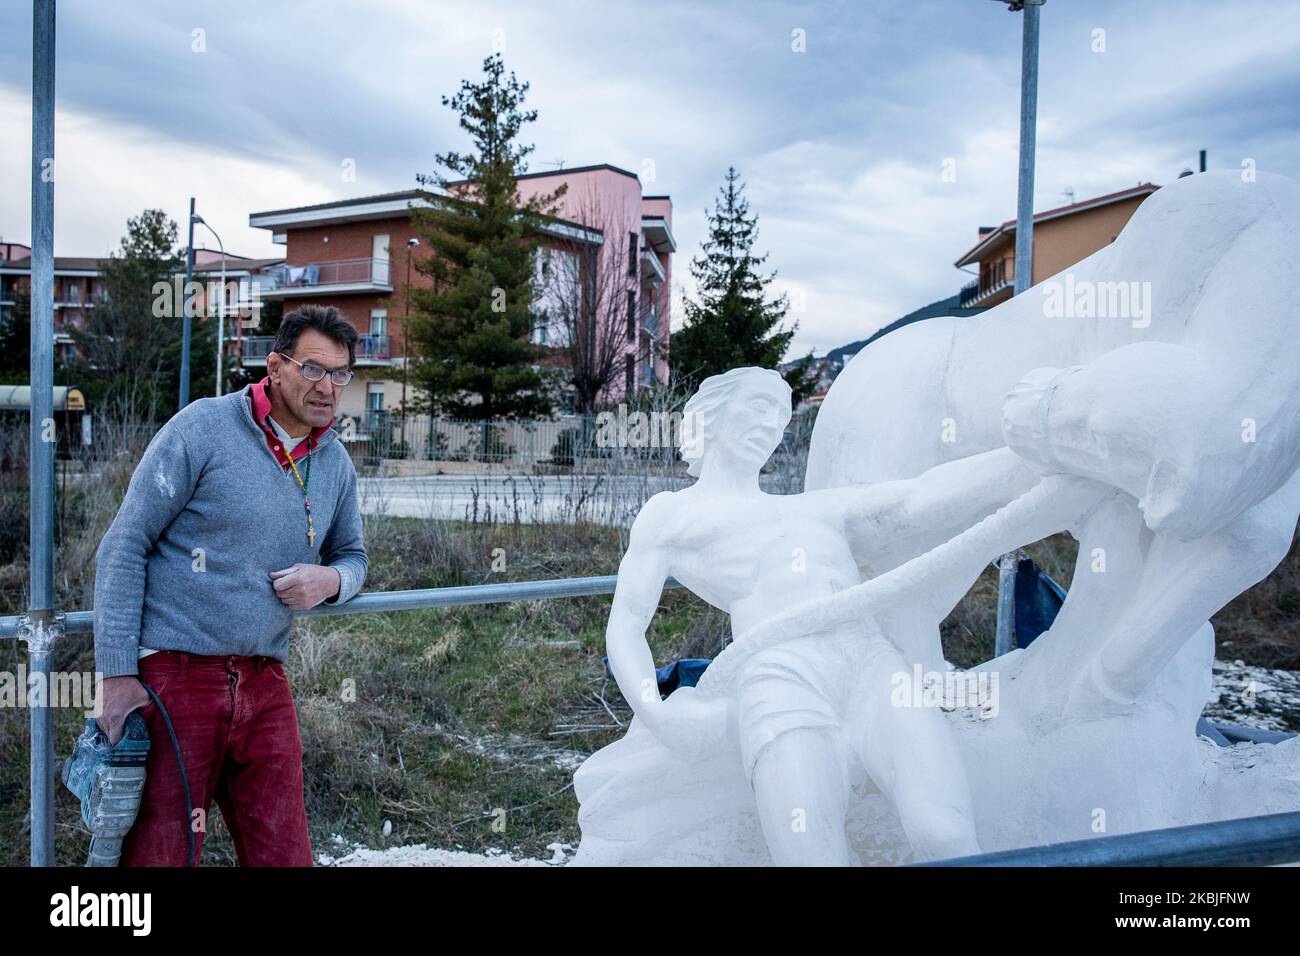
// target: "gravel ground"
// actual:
[[1258, 697]]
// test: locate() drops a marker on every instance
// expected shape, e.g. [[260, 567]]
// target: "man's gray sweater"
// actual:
[[209, 513]]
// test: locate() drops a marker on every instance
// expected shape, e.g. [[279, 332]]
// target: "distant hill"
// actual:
[[829, 366], [946, 306]]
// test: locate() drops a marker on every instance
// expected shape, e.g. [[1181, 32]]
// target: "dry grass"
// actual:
[[435, 720]]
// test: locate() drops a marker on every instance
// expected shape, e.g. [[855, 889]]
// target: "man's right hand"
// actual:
[[121, 696]]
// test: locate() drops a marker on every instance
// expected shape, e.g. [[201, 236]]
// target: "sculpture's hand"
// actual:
[[688, 722], [1024, 417]]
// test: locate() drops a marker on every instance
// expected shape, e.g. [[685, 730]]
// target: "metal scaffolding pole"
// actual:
[[42, 624], [1024, 262]]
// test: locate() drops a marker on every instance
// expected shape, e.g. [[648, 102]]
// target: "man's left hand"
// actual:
[[301, 586]]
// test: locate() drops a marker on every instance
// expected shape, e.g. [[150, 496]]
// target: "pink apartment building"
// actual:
[[359, 255]]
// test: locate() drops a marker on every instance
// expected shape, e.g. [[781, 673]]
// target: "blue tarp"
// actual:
[[1038, 599], [683, 673]]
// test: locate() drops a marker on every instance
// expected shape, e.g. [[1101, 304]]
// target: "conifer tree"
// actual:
[[468, 334], [732, 322]]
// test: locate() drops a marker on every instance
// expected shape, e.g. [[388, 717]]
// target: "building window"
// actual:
[[631, 253], [379, 260], [631, 314], [541, 323], [629, 373], [378, 321]]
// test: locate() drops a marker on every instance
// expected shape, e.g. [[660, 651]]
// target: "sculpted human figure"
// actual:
[[1168, 445], [814, 715]]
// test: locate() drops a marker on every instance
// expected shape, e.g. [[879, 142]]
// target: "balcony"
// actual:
[[370, 350], [336, 278], [980, 294], [652, 272]]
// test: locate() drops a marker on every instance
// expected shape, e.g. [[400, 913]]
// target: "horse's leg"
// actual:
[[1183, 584], [1113, 543]]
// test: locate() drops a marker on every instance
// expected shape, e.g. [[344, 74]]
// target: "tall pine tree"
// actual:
[[732, 322], [128, 357], [468, 334]]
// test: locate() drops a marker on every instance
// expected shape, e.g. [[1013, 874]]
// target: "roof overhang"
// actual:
[[75, 273], [985, 245], [1009, 228], [279, 222], [331, 215]]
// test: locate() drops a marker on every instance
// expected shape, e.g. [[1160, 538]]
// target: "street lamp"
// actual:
[[406, 295], [1007, 564], [221, 306]]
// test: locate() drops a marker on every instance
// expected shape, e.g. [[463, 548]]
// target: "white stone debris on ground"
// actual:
[[354, 854], [1260, 697], [516, 749]]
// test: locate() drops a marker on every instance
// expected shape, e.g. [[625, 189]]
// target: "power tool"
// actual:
[[108, 780]]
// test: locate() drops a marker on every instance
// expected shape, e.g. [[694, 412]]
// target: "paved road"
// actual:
[[535, 498]]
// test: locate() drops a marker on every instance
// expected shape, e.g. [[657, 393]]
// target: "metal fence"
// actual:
[[376, 436], [562, 442]]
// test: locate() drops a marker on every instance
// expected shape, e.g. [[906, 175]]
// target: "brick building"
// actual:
[[78, 287], [360, 255]]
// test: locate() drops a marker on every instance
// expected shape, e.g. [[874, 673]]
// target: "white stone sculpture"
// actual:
[[1165, 438]]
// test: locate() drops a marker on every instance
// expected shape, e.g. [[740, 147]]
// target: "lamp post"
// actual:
[[410, 254], [185, 314], [1024, 258], [196, 219]]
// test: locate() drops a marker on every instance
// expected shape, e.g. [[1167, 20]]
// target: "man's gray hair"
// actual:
[[703, 408]]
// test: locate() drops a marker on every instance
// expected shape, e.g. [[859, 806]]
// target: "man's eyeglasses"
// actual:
[[314, 373]]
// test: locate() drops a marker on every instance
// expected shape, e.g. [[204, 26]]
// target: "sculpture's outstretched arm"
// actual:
[[942, 575], [891, 522]]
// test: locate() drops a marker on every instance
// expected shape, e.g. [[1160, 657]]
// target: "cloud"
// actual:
[[842, 146]]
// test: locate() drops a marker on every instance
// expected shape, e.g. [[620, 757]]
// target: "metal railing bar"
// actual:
[[1246, 841], [378, 602]]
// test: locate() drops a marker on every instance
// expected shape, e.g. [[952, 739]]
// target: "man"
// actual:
[[813, 716], [242, 511]]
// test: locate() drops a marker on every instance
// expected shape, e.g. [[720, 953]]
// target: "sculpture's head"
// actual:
[[739, 416]]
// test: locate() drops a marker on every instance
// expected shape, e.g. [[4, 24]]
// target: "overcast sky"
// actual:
[[843, 146]]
